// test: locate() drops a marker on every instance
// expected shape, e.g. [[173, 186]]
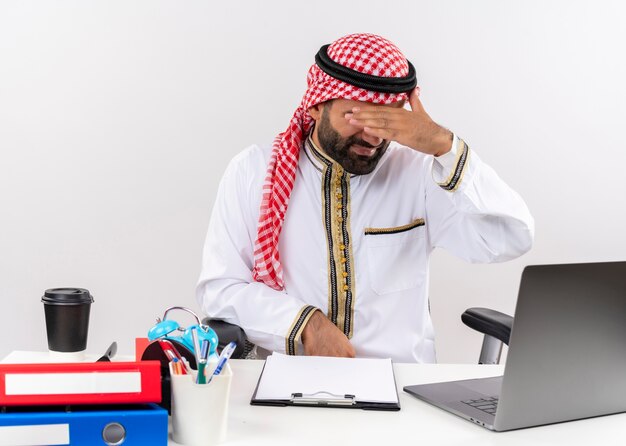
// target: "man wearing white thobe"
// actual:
[[376, 188]]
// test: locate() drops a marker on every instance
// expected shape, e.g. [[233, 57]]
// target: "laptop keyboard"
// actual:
[[488, 405]]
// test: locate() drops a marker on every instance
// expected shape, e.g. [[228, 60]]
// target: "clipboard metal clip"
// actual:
[[323, 398]]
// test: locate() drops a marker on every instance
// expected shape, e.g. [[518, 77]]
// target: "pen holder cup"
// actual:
[[200, 411]]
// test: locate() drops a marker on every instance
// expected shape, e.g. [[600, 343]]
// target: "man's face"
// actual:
[[356, 151]]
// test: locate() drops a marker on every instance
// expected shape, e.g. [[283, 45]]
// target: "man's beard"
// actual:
[[338, 148]]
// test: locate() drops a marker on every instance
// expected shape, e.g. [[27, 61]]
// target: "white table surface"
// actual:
[[416, 423]]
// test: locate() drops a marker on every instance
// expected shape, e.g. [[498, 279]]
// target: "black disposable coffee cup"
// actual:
[[67, 318]]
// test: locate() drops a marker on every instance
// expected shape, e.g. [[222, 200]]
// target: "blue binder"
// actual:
[[127, 425]]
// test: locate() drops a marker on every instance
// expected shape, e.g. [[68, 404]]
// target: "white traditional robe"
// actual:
[[357, 247]]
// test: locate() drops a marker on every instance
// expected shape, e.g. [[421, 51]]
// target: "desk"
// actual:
[[416, 423]]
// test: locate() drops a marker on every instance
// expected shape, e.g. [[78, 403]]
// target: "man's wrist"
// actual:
[[442, 142], [312, 324]]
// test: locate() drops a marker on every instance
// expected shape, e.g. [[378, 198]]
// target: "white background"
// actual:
[[117, 119]]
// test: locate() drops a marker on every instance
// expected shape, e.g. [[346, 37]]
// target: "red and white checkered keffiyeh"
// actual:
[[366, 53]]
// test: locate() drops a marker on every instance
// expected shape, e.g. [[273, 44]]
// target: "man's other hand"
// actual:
[[322, 338]]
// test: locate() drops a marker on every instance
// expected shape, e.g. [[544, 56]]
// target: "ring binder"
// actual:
[[127, 424], [330, 400], [80, 383]]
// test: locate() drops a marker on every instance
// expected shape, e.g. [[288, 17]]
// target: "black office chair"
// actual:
[[494, 325], [227, 333]]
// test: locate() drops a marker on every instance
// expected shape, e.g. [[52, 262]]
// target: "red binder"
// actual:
[[80, 383]]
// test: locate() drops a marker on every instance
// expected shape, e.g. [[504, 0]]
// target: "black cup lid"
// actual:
[[67, 296]]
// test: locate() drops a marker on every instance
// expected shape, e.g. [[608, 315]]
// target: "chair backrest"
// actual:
[[227, 333]]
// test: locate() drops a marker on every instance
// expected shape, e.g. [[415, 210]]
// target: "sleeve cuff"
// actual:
[[297, 327], [448, 169]]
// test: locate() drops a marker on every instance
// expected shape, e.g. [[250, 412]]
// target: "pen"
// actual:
[[176, 367], [172, 352], [169, 349], [186, 367], [201, 377], [204, 350], [204, 354], [224, 356], [196, 342], [170, 355]]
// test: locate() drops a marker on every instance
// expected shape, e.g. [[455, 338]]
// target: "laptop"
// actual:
[[566, 358]]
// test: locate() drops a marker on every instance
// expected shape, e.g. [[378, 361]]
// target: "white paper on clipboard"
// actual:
[[368, 380]]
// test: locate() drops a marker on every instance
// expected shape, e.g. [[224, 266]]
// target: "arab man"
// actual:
[[319, 243]]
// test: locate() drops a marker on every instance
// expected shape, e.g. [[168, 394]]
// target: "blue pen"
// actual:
[[224, 356], [204, 349]]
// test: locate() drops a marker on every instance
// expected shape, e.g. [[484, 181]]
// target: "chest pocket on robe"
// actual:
[[397, 257]]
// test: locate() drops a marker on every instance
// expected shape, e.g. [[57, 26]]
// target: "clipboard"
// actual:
[[314, 381]]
